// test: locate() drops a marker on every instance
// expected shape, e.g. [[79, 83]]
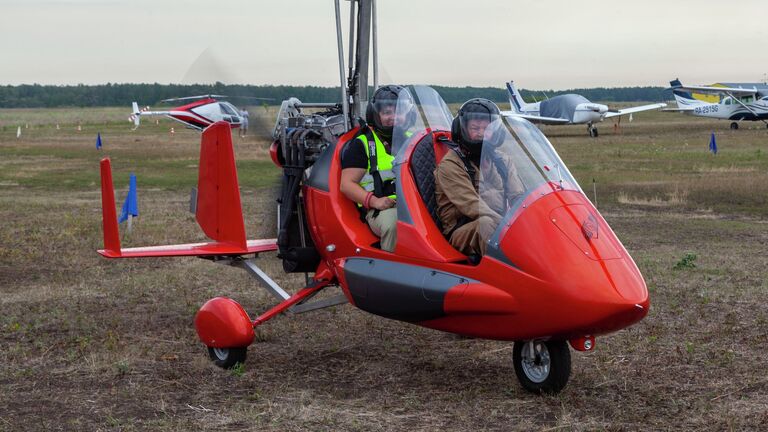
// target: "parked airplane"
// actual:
[[729, 101], [567, 109]]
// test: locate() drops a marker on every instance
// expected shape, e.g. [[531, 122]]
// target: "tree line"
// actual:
[[53, 96]]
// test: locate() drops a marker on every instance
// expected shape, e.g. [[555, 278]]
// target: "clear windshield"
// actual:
[[227, 108], [418, 108], [516, 160]]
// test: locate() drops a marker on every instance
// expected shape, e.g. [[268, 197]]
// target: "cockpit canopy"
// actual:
[[517, 159]]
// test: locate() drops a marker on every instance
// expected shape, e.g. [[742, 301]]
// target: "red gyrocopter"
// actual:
[[554, 273]]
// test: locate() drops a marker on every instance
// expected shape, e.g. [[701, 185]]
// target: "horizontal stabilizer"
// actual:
[[192, 249]]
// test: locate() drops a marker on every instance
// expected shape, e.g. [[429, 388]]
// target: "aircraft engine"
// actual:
[[300, 139]]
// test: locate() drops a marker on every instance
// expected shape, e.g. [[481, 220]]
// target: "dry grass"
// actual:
[[674, 198], [92, 344], [726, 169]]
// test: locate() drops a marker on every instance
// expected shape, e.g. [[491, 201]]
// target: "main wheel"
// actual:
[[734, 125], [593, 132], [542, 367], [227, 358]]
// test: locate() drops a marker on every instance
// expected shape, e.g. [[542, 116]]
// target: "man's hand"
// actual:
[[382, 203]]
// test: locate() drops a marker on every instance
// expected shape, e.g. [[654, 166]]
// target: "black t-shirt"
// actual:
[[354, 156]]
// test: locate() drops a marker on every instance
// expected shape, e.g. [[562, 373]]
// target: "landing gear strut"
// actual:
[[734, 125], [592, 129]]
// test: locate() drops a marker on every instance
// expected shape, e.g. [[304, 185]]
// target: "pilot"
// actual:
[[469, 219], [367, 177]]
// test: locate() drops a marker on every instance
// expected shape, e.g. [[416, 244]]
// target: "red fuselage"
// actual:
[[558, 269]]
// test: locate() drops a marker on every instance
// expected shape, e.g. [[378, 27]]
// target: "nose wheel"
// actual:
[[734, 125], [592, 129], [542, 366], [227, 358]]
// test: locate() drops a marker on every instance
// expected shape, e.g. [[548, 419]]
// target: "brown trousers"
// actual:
[[472, 238]]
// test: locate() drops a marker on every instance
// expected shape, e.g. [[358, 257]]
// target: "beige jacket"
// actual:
[[457, 196]]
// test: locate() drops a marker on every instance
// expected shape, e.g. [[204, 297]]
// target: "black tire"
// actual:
[[548, 371], [227, 358], [734, 125], [594, 131]]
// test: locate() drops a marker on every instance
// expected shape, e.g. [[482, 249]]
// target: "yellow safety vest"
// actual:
[[384, 162]]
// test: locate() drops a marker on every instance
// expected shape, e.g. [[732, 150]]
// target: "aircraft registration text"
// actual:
[[706, 109]]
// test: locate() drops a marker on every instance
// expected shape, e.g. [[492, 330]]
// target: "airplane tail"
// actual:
[[136, 115], [515, 100], [683, 98]]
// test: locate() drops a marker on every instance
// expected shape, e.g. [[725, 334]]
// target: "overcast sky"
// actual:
[[541, 44]]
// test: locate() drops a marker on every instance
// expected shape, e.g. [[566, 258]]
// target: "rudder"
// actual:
[[219, 211]]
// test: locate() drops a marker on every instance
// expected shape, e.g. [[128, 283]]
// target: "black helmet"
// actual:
[[394, 96], [473, 109]]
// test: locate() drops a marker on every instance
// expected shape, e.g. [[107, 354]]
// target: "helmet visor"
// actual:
[[474, 119]]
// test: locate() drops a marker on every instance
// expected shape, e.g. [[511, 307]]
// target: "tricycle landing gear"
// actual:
[[542, 366]]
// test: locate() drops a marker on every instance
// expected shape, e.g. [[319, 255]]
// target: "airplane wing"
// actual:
[[715, 90], [218, 211], [537, 119], [631, 110], [679, 109]]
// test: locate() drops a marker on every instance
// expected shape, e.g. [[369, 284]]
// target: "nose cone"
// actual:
[[585, 229], [562, 239]]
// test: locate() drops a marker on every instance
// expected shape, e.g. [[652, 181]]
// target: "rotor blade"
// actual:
[[251, 97], [206, 69], [193, 97]]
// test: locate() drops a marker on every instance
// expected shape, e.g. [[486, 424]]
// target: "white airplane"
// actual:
[[566, 109], [729, 101]]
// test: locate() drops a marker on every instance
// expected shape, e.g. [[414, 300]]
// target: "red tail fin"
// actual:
[[219, 212], [109, 214]]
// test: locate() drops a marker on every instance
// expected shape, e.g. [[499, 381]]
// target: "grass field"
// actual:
[[91, 344]]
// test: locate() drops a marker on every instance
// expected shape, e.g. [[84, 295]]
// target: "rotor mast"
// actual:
[[362, 30]]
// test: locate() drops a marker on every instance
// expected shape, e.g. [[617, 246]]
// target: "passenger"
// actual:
[[367, 177], [468, 219]]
